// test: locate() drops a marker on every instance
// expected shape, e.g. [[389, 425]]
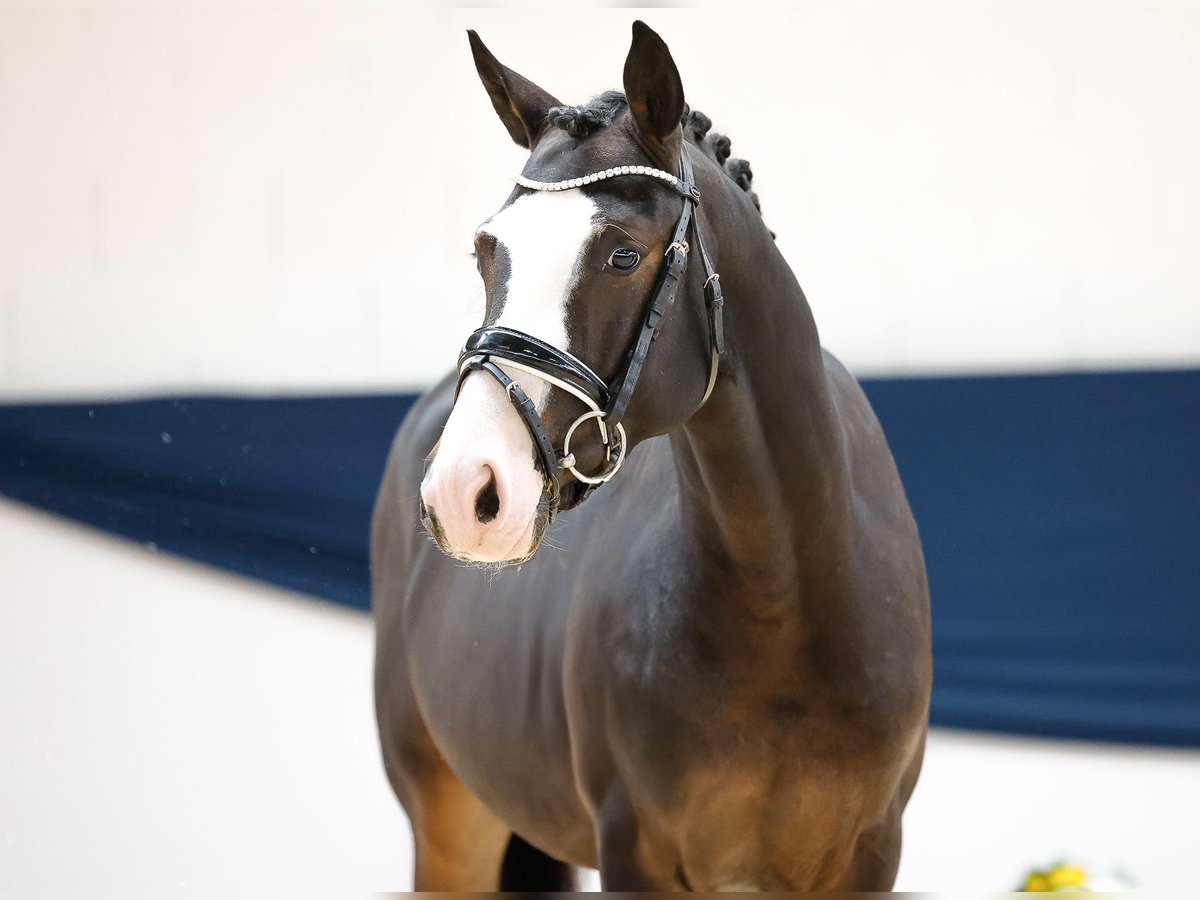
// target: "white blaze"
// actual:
[[543, 235]]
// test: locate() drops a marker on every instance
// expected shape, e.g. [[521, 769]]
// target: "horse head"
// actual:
[[580, 266]]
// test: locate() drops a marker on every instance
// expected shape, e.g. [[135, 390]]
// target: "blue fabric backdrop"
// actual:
[[1060, 516]]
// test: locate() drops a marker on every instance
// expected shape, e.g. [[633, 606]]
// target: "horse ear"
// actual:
[[520, 104], [652, 86]]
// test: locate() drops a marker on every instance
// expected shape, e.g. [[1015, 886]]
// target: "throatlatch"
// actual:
[[607, 402]]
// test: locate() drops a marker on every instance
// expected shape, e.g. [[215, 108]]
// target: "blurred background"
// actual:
[[233, 247]]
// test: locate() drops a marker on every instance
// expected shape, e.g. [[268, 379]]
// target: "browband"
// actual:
[[571, 183]]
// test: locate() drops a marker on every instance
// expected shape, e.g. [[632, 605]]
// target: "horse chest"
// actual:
[[742, 762], [732, 798]]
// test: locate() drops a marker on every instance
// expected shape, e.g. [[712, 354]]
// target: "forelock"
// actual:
[[596, 114]]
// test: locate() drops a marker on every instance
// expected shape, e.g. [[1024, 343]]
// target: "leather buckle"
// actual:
[[677, 256]]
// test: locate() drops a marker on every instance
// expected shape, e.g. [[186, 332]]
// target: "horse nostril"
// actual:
[[487, 504]]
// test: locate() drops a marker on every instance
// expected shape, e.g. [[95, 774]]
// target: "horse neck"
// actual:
[[762, 464]]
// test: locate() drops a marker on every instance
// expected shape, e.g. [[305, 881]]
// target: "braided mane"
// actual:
[[601, 111]]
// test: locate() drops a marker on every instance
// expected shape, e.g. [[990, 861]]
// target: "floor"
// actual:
[[167, 726]]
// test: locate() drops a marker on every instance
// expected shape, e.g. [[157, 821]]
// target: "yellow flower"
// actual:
[[1066, 877], [1036, 882]]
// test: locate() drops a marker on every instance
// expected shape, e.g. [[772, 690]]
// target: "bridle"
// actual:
[[607, 402]]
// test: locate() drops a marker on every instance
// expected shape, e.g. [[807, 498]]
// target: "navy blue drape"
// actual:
[[280, 490], [1060, 516]]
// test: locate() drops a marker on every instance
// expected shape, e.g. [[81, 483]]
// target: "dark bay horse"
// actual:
[[715, 674]]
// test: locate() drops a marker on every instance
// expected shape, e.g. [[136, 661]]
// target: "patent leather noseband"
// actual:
[[606, 401]]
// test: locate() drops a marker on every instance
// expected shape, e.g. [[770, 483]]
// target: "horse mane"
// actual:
[[601, 111]]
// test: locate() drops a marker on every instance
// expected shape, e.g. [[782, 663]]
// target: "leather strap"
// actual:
[[714, 299], [661, 300], [530, 352], [526, 409]]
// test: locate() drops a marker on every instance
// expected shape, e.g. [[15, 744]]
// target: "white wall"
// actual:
[[243, 198]]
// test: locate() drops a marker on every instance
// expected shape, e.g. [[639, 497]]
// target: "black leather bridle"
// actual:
[[607, 401]]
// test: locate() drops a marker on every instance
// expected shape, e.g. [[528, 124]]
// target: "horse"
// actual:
[[648, 593]]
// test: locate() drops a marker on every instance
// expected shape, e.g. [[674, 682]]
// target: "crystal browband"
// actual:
[[572, 183]]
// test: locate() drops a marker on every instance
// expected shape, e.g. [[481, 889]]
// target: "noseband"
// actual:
[[607, 402]]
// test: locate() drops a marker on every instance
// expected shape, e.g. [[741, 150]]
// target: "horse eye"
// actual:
[[624, 259]]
